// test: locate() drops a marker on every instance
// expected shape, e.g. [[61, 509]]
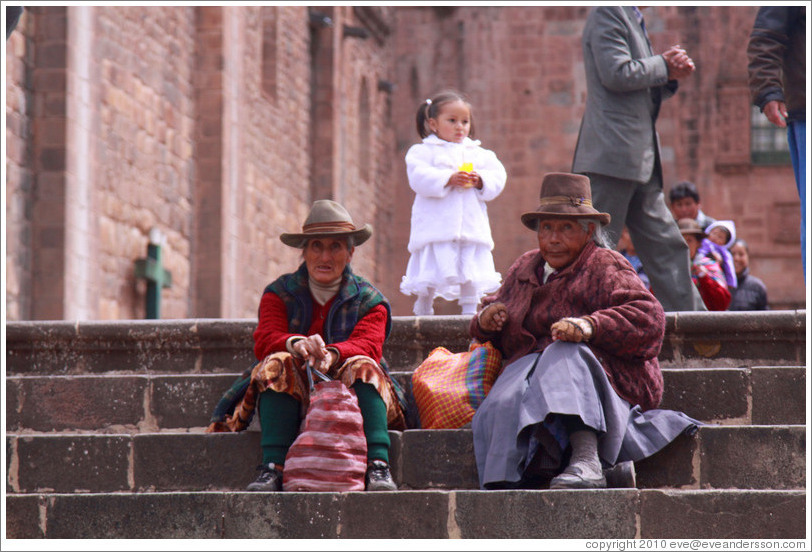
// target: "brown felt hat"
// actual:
[[690, 226], [564, 195], [327, 219]]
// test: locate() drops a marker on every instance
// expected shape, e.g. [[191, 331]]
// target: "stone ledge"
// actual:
[[693, 339], [719, 457], [614, 513], [149, 402]]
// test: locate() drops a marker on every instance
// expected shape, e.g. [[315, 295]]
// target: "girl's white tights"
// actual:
[[424, 306], [468, 299]]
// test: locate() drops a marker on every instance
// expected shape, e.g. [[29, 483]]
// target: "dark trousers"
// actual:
[[654, 233]]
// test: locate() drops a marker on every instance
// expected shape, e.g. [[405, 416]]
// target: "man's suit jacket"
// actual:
[[625, 84]]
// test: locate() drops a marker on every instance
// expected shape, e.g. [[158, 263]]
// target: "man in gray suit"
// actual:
[[618, 147]]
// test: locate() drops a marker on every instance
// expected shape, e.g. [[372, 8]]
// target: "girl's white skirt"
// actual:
[[447, 266]]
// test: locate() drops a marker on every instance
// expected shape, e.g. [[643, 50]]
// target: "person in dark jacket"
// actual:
[[751, 293], [580, 335], [777, 73], [324, 314], [13, 14]]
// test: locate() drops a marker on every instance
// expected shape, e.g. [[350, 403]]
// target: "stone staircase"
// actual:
[[105, 421]]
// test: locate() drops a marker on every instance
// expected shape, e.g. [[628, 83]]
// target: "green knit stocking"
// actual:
[[279, 420], [376, 429]]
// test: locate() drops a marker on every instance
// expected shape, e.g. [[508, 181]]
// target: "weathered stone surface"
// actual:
[[134, 346], [12, 404], [194, 462], [389, 515], [73, 463], [136, 516], [772, 338], [11, 476], [413, 338], [779, 395], [718, 457], [673, 466], [159, 471], [57, 403], [545, 514], [227, 346], [283, 515], [186, 400], [753, 457], [707, 395], [612, 513], [718, 339], [722, 514], [395, 455], [438, 458], [23, 516]]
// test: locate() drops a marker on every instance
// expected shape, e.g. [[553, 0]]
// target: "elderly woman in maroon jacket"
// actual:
[[580, 335]]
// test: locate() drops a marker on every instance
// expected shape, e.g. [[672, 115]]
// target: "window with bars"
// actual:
[[768, 143]]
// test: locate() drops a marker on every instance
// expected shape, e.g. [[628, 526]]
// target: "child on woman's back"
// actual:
[[453, 177], [721, 237]]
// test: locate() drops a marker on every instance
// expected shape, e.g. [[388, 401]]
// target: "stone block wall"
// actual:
[[195, 121], [19, 172], [220, 126], [141, 166]]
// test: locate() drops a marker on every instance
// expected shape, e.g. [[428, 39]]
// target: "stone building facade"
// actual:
[[220, 125]]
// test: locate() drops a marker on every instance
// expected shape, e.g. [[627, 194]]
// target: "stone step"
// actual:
[[132, 402], [692, 340], [598, 514], [717, 457]]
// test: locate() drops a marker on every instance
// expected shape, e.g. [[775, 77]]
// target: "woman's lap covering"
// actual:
[[514, 421], [283, 373]]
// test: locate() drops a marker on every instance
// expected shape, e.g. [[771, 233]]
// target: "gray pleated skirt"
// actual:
[[514, 434]]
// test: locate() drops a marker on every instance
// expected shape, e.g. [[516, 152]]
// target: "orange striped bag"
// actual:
[[330, 454], [449, 387]]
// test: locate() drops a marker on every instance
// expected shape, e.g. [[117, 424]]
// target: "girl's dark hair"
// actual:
[[429, 109]]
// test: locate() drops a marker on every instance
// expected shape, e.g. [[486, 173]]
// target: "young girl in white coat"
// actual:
[[453, 178]]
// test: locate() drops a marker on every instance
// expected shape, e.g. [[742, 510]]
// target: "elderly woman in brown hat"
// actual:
[[325, 314], [577, 399]]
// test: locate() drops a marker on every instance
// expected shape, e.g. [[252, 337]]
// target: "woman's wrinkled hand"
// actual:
[[493, 317], [313, 349], [572, 329]]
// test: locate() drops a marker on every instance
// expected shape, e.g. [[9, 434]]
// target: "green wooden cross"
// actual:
[[151, 270]]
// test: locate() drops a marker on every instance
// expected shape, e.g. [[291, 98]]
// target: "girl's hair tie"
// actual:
[[428, 102]]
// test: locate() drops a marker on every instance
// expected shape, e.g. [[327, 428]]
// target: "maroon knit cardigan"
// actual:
[[629, 322]]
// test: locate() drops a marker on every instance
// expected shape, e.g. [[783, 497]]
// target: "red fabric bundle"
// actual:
[[330, 454]]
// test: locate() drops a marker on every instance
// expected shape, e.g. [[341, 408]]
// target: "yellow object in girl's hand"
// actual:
[[467, 167]]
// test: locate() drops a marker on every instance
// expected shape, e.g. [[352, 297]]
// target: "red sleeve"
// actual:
[[272, 331], [272, 326], [367, 337], [715, 295]]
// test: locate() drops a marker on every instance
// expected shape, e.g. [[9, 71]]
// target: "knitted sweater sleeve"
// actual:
[[272, 326], [631, 323], [367, 337]]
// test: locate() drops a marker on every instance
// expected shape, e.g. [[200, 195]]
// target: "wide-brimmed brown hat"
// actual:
[[690, 226], [564, 195], [328, 219]]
